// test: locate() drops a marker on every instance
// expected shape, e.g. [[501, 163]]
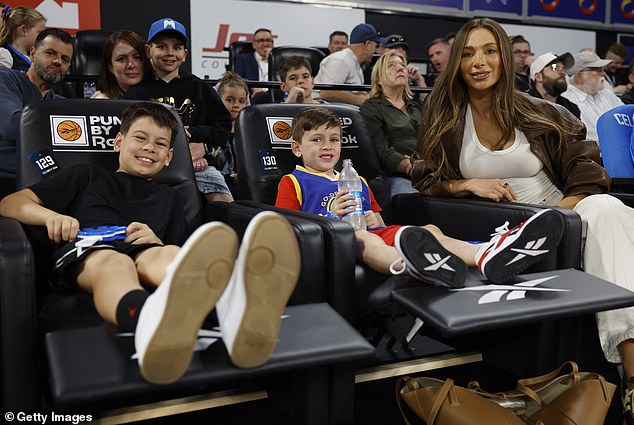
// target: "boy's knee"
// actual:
[[110, 259], [157, 255], [168, 253]]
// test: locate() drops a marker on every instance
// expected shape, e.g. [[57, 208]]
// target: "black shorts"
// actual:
[[68, 256]]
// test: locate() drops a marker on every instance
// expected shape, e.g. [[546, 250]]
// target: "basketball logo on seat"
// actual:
[[282, 130], [69, 130]]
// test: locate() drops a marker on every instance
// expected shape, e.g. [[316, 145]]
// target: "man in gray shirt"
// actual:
[[344, 67]]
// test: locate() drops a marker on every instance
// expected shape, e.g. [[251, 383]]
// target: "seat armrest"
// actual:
[[475, 220], [18, 318]]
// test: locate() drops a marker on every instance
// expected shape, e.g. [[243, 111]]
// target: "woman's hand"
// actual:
[[341, 204], [197, 150], [200, 164], [62, 228], [495, 189], [138, 233], [414, 73], [405, 166]]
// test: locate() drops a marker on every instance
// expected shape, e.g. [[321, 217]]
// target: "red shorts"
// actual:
[[387, 233]]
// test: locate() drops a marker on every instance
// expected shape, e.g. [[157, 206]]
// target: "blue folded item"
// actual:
[[103, 233]]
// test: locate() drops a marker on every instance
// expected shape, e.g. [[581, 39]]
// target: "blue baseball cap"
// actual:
[[167, 25], [366, 32]]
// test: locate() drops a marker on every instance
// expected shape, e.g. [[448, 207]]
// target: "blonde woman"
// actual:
[[393, 120]]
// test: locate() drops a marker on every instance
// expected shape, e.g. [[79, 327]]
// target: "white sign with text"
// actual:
[[215, 25]]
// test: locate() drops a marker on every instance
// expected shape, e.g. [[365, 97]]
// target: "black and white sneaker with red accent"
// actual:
[[509, 252], [424, 258]]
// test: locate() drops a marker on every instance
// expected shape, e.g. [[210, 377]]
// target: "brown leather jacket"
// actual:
[[573, 165]]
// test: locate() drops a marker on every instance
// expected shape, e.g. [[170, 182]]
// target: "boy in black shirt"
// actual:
[[190, 279], [199, 106]]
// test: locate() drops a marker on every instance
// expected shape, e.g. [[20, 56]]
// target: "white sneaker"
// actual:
[[511, 251], [264, 277], [171, 317]]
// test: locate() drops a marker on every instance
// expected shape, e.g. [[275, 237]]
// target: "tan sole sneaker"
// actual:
[[269, 268], [169, 324]]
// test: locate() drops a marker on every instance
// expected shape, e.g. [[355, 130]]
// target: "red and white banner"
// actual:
[[215, 25], [71, 15]]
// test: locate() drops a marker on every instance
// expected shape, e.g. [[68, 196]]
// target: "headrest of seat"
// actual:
[[263, 140], [237, 48], [280, 54], [60, 133], [88, 51]]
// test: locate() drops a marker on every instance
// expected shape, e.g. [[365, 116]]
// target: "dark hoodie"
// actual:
[[198, 105]]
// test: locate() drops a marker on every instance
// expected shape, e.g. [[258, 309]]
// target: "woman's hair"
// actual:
[[379, 75], [449, 97], [13, 18], [231, 79], [107, 82]]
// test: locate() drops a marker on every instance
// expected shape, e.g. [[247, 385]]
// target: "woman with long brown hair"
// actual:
[[124, 64], [482, 137]]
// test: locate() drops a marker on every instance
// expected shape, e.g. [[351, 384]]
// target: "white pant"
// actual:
[[608, 253]]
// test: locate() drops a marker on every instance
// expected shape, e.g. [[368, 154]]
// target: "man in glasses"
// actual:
[[548, 73], [255, 66], [587, 90], [523, 57]]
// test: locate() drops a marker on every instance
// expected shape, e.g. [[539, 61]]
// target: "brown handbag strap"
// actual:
[[447, 389], [400, 383], [524, 385]]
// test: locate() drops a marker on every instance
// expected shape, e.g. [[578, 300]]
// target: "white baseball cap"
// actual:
[[547, 58]]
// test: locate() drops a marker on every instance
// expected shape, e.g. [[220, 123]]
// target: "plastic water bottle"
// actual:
[[349, 180]]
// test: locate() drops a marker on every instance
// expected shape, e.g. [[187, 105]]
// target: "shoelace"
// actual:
[[500, 230]]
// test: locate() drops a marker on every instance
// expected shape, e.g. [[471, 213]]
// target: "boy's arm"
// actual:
[[26, 207], [286, 195], [353, 98]]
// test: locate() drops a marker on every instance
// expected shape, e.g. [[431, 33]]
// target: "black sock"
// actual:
[[129, 308]]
